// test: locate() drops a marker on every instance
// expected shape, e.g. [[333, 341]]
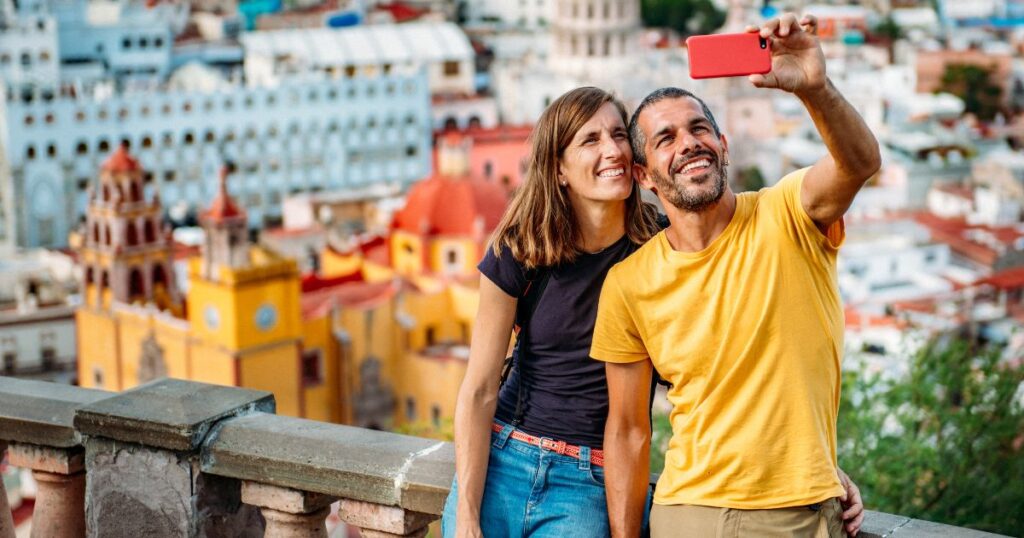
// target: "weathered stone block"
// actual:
[[283, 499], [341, 461], [139, 491], [41, 413], [169, 413], [43, 458], [388, 519]]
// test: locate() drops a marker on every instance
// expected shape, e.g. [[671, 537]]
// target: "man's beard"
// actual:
[[694, 200]]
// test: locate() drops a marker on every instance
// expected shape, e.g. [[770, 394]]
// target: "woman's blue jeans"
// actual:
[[532, 491]]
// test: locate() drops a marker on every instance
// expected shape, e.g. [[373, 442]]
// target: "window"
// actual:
[[51, 150], [30, 153], [103, 146], [26, 59], [49, 358], [410, 151], [158, 42], [312, 368], [82, 148], [10, 361], [83, 184], [126, 43], [169, 176], [410, 409], [451, 68], [431, 335], [147, 142], [97, 376], [435, 415]]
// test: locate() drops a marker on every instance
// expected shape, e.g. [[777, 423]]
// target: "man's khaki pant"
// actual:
[[684, 520]]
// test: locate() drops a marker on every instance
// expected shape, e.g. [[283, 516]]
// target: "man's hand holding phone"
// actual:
[[798, 64]]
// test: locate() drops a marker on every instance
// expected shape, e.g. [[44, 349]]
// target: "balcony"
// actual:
[[178, 458]]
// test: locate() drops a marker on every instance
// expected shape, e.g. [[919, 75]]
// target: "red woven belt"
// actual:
[[558, 447]]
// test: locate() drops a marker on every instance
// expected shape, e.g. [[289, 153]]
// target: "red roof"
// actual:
[[1007, 279], [402, 12], [313, 282], [356, 295], [452, 206], [223, 207], [962, 237], [120, 161]]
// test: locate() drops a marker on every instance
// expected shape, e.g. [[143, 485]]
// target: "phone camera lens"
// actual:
[[764, 43]]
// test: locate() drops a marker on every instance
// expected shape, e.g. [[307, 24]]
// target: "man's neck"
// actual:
[[601, 223], [695, 231]]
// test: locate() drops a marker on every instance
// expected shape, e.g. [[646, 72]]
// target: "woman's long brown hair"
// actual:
[[540, 227]]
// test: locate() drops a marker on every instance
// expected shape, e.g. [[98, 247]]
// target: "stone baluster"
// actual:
[[389, 484], [60, 498], [6, 521], [289, 513], [378, 521], [36, 420]]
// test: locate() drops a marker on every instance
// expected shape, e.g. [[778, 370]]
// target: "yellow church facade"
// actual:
[[378, 339]]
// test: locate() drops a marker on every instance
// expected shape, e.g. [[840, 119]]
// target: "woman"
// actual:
[[578, 213]]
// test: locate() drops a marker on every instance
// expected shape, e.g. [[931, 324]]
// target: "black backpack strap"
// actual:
[[530, 299]]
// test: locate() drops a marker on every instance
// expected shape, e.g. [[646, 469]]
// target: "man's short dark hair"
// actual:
[[636, 136]]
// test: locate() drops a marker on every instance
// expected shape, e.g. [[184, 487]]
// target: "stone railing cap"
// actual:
[[341, 461], [42, 413], [168, 413], [882, 525]]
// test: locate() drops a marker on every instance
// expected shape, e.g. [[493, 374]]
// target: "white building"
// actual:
[[524, 15], [37, 322], [886, 261], [365, 51], [324, 128]]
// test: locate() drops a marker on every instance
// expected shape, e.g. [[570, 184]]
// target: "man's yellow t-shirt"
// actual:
[[749, 332]]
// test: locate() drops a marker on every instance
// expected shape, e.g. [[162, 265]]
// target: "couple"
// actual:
[[735, 304]]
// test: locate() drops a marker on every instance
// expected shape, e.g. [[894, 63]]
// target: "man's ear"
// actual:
[[641, 177], [725, 147]]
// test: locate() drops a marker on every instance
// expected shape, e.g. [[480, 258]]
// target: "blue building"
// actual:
[[306, 133]]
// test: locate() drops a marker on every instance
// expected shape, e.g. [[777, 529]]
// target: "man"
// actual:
[[736, 305]]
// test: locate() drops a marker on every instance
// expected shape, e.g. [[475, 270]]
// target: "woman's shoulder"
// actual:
[[504, 270]]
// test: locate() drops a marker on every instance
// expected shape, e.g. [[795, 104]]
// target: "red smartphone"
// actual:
[[728, 55]]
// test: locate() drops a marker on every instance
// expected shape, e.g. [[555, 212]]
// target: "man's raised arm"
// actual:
[[627, 444], [798, 67]]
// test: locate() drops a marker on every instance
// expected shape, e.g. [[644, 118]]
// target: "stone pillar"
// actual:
[[6, 521], [289, 513], [60, 502], [142, 449], [379, 521]]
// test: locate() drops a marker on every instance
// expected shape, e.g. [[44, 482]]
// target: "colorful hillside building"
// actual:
[[378, 338]]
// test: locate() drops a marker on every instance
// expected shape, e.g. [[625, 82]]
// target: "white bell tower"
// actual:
[[594, 37]]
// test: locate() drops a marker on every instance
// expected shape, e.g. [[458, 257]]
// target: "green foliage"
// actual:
[[750, 179], [888, 29], [974, 85], [688, 17], [442, 431], [661, 433], [944, 443]]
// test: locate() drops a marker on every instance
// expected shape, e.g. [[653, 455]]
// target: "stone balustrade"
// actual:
[[178, 458]]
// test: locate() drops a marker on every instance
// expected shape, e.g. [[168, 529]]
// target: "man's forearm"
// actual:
[[626, 474], [850, 143]]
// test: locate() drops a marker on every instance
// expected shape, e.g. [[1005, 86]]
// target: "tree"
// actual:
[[688, 17], [888, 31], [750, 179], [943, 443], [974, 85]]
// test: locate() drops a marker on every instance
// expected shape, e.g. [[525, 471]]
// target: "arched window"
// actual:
[[150, 231], [136, 286], [135, 192], [159, 277], [95, 233], [132, 235], [107, 236], [89, 276]]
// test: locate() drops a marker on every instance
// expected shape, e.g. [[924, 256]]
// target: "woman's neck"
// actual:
[[601, 223]]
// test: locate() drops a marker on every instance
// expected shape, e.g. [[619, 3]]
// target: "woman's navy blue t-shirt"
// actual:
[[565, 393]]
